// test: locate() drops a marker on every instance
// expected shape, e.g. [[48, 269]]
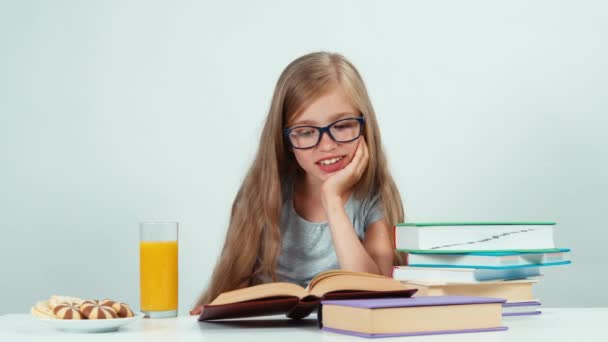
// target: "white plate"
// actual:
[[90, 325]]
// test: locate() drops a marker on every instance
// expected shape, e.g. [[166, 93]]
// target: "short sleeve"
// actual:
[[375, 212]]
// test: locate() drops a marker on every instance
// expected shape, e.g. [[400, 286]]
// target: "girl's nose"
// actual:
[[327, 143]]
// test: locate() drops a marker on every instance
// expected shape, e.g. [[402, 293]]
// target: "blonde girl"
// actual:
[[319, 194]]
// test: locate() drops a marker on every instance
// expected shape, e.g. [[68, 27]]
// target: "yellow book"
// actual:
[[389, 317], [511, 290]]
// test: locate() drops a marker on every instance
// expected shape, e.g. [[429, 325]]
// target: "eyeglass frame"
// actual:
[[322, 130]]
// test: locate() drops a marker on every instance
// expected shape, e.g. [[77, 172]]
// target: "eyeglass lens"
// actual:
[[341, 131]]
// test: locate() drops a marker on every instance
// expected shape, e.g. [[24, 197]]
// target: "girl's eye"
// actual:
[[303, 132], [345, 125]]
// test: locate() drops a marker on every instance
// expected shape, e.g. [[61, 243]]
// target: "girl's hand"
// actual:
[[343, 180], [197, 311]]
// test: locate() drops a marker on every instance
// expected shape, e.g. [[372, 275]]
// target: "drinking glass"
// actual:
[[158, 269]]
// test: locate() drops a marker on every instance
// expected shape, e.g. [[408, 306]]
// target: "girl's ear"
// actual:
[[289, 147]]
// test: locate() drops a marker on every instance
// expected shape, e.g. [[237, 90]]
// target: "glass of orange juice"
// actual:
[[158, 269]]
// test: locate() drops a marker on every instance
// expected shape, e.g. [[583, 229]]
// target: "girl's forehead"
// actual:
[[332, 106], [325, 119]]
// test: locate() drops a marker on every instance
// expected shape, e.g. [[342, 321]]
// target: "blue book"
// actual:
[[526, 308], [463, 275], [490, 260]]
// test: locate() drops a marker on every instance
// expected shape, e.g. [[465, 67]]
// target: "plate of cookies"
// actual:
[[79, 315]]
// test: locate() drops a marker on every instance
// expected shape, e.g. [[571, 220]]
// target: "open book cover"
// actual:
[[297, 302]]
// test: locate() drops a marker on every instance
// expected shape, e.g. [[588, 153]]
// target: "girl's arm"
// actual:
[[375, 255], [379, 246]]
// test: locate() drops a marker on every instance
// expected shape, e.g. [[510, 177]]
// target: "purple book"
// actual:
[[385, 303], [529, 308]]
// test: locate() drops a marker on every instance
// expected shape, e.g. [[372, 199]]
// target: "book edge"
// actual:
[[436, 332], [478, 223]]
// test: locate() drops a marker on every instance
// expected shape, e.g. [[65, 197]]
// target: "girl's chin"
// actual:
[[320, 177]]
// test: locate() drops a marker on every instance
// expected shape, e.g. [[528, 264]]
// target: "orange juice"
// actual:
[[158, 275]]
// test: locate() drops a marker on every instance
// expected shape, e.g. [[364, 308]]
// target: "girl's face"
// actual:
[[328, 156]]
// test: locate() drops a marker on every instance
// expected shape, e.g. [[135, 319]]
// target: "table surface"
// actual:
[[554, 324]]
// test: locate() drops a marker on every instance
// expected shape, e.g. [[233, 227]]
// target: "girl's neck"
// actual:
[[309, 190]]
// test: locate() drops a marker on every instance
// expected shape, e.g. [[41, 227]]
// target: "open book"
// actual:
[[298, 302]]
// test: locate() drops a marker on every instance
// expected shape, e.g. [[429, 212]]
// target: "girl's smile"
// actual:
[[332, 163]]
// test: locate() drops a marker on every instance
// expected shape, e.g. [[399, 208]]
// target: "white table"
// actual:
[[571, 325]]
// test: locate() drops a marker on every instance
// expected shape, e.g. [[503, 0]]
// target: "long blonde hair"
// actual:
[[253, 240]]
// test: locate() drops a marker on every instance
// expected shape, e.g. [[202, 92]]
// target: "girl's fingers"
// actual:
[[362, 162], [354, 163], [196, 311]]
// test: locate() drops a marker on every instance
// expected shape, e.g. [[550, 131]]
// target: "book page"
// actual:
[[333, 273], [354, 281], [259, 292]]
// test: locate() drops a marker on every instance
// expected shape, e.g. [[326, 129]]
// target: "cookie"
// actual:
[[56, 300], [122, 309], [94, 310], [67, 311], [42, 310]]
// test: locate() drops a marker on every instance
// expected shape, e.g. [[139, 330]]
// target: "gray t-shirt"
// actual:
[[307, 247]]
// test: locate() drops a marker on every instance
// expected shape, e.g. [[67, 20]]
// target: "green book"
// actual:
[[482, 223], [467, 237]]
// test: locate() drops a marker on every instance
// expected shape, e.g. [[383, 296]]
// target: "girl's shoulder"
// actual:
[[367, 201]]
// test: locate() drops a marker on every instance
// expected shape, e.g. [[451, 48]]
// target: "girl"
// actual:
[[319, 195]]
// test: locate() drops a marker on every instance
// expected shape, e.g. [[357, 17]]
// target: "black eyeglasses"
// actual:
[[342, 131]]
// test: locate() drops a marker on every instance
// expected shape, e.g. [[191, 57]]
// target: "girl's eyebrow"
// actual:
[[333, 118]]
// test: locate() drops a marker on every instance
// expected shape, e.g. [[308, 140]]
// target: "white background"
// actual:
[[115, 112]]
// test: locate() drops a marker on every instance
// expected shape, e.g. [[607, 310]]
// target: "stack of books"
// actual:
[[491, 259], [360, 304]]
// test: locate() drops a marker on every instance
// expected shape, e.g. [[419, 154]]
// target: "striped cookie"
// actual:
[[94, 310], [122, 309], [67, 311]]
